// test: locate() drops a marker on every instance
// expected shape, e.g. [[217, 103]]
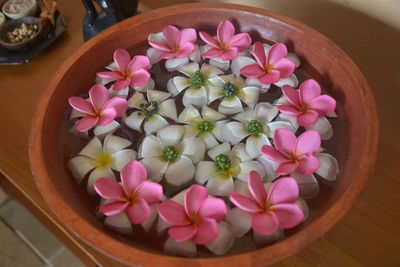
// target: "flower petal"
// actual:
[[261, 240], [265, 223], [155, 168], [323, 104], [109, 189], [308, 185], [134, 121], [96, 174], [252, 71], [108, 76], [248, 166], [168, 109], [211, 114], [150, 192], [290, 80], [254, 145], [208, 39], [289, 215], [186, 50], [224, 240], [138, 62], [309, 90], [208, 140], [93, 149], [172, 212], [86, 123], [154, 123], [182, 233], [273, 154], [121, 84], [259, 53], [113, 208], [119, 223], [323, 127], [181, 83], [148, 224], [193, 148], [207, 231], [223, 148], [214, 208], [308, 118], [180, 171], [277, 52], [244, 203], [241, 62], [98, 95], [187, 35], [81, 105], [195, 96], [219, 185], [204, 171], [107, 116], [80, 166], [121, 59], [171, 135], [233, 132], [220, 63], [185, 249], [212, 53], [138, 212], [328, 168], [239, 220], [285, 141], [229, 54], [174, 64], [225, 32], [269, 167], [160, 46], [239, 152], [229, 106], [114, 144], [149, 85], [217, 131], [171, 35], [154, 55], [121, 158], [194, 198], [286, 168], [132, 175], [273, 126], [150, 147], [103, 130], [269, 78], [256, 187], [308, 142], [285, 67], [189, 114], [283, 190], [289, 110], [209, 71], [264, 112], [308, 165], [136, 100], [242, 41], [139, 77], [214, 89], [249, 95]]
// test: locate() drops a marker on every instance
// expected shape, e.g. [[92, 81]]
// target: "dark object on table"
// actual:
[[112, 12]]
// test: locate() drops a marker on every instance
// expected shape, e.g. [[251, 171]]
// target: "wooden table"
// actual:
[[369, 234]]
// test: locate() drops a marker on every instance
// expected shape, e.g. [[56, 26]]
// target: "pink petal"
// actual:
[[98, 95], [160, 46], [242, 41], [140, 77], [252, 71], [112, 75], [324, 105], [308, 165], [308, 118], [245, 203], [292, 95], [273, 154], [276, 52], [283, 190], [256, 187], [81, 105], [214, 208], [285, 141], [138, 62], [285, 67], [122, 59], [182, 233], [107, 116], [185, 50], [225, 32], [113, 208], [230, 54], [151, 192], [308, 142], [121, 84], [86, 123], [187, 36], [139, 211], [287, 168], [265, 223], [289, 109], [213, 52], [171, 35], [167, 55], [271, 77], [109, 189], [289, 215], [309, 90], [173, 213], [118, 103], [194, 198], [132, 175], [206, 232], [259, 54], [208, 39]]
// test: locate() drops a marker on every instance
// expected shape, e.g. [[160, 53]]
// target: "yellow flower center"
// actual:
[[104, 161]]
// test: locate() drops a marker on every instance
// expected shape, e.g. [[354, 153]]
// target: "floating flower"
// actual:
[[99, 110], [271, 66], [227, 164], [294, 154], [133, 196], [172, 154], [196, 86], [206, 125], [257, 124], [272, 209], [151, 111], [100, 159], [129, 72], [232, 89]]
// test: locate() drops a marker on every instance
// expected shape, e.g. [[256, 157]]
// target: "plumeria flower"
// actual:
[[171, 154], [233, 90], [176, 46], [132, 198], [151, 111], [129, 72], [98, 110], [227, 164], [101, 159], [196, 86], [257, 125], [270, 209], [206, 125]]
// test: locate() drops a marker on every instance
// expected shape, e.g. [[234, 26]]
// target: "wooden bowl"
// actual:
[[354, 144]]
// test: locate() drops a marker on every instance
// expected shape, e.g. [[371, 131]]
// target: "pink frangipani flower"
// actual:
[[294, 154], [197, 220], [133, 195], [228, 44], [273, 209], [271, 66], [179, 44], [100, 109], [129, 72], [307, 103]]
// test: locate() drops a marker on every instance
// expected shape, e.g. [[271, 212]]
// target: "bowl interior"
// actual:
[[320, 59], [11, 25]]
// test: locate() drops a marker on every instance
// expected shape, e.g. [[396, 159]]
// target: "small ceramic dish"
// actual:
[[10, 8], [2, 19]]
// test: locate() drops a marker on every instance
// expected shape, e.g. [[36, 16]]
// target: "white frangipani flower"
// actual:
[[227, 164], [100, 159], [197, 84], [233, 90], [206, 125], [257, 124], [151, 111], [171, 154]]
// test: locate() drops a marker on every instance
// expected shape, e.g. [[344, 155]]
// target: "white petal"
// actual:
[[190, 69], [209, 140], [248, 166], [154, 55], [150, 147], [281, 101], [220, 63], [304, 208], [171, 135], [242, 188], [172, 88], [114, 144], [157, 96], [241, 62], [168, 109], [136, 99], [161, 226], [209, 71], [328, 168], [196, 54], [134, 121], [273, 126], [185, 249], [239, 151], [80, 166], [96, 174], [249, 95], [211, 114], [323, 127], [294, 58], [230, 106], [263, 240], [191, 131], [308, 185], [174, 64], [181, 83], [76, 114], [157, 37], [119, 223], [255, 143], [220, 186], [154, 123], [93, 149], [256, 82], [155, 168], [148, 224], [223, 148], [149, 85], [204, 171], [291, 80], [112, 66], [180, 197], [217, 131], [189, 114], [193, 148], [83, 135], [121, 93], [265, 112], [245, 116], [224, 241], [233, 132], [288, 118], [180, 172], [214, 89], [332, 115], [110, 128], [239, 220], [102, 81], [269, 168], [121, 158], [195, 96]]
